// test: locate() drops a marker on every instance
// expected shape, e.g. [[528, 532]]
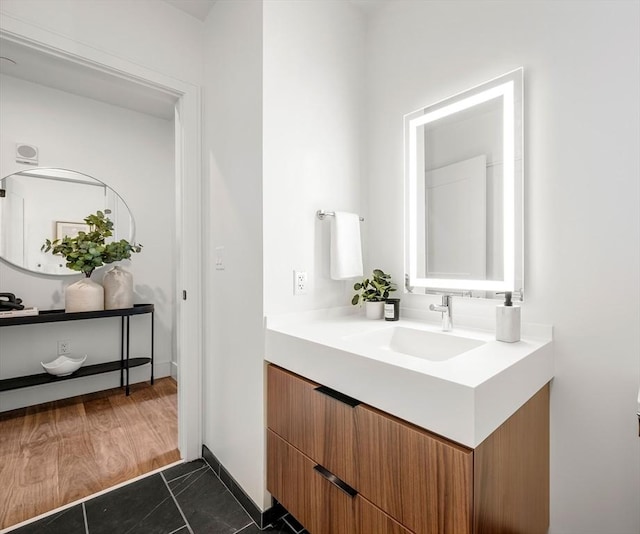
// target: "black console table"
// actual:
[[123, 365]]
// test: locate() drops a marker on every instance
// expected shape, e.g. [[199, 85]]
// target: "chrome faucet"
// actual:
[[447, 313]]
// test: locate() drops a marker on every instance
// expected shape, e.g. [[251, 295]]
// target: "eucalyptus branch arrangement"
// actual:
[[376, 289], [89, 250]]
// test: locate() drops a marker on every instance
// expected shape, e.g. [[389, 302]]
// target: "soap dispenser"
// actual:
[[507, 320]]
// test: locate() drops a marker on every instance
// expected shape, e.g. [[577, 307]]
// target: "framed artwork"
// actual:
[[70, 229]]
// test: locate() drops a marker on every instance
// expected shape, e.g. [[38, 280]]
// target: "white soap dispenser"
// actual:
[[508, 320]]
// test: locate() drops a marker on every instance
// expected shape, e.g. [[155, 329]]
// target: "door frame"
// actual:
[[188, 206]]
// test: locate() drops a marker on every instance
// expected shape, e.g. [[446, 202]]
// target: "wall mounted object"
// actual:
[[463, 183], [36, 205]]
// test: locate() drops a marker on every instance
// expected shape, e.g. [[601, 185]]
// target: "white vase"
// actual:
[[83, 295], [374, 310], [118, 289]]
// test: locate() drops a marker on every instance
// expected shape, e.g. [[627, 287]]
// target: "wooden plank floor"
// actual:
[[61, 451]]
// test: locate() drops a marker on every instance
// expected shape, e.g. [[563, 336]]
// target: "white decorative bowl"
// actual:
[[63, 365]]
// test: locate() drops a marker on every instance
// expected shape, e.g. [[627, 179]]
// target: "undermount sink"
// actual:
[[419, 343]]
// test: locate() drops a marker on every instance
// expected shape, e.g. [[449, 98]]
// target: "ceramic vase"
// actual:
[[374, 310], [118, 289], [83, 295]]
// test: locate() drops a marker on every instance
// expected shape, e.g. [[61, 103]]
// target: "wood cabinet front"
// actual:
[[318, 504], [372, 520], [511, 473], [407, 479], [311, 420], [422, 481]]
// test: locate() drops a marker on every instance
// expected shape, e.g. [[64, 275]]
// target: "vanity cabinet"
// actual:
[[342, 467], [316, 499], [315, 420], [423, 481], [311, 458], [372, 520], [321, 506]]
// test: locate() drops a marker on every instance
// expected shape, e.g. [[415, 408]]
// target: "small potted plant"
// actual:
[[84, 253], [374, 292]]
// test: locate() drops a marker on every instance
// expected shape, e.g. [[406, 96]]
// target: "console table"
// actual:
[[123, 364]]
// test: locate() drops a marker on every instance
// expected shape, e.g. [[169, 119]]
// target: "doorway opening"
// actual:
[[159, 424]]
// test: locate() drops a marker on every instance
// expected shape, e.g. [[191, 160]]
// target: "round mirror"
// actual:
[[39, 204]]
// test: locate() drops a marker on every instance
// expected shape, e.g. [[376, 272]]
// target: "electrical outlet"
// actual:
[[299, 282], [64, 347]]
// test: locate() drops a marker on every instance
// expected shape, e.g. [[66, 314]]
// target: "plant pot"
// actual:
[[83, 295], [118, 289], [374, 310]]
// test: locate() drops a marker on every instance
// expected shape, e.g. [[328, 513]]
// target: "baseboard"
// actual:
[[262, 519], [161, 369], [174, 370]]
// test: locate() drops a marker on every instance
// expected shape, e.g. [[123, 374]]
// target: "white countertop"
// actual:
[[464, 398]]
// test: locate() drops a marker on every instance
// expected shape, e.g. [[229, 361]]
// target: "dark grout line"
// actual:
[[176, 503]]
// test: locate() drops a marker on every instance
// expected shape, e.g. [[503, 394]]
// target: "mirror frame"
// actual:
[[33, 172], [509, 87]]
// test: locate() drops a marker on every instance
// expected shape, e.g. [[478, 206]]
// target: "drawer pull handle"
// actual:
[[338, 396], [343, 486]]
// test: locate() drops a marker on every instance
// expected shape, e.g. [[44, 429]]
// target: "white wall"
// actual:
[[162, 45], [313, 133], [149, 33], [297, 143], [129, 151], [232, 150], [582, 235]]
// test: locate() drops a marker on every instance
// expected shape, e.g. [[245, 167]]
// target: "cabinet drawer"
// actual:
[[372, 520], [423, 482], [318, 504], [319, 425]]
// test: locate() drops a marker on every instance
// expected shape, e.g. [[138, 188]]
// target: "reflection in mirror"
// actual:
[[38, 203], [463, 181]]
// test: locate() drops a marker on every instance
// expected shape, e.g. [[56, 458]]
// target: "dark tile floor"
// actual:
[[185, 499]]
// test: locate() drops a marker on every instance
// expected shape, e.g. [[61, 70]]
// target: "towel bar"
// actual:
[[321, 214]]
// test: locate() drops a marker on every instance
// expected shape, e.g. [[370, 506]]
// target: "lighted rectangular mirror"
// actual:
[[463, 191]]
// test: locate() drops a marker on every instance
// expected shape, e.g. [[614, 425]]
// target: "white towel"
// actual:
[[346, 249]]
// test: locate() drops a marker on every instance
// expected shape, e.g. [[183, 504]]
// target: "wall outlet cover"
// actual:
[[64, 347], [299, 282]]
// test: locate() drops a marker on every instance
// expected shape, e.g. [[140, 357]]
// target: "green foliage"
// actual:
[[89, 250], [376, 289]]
